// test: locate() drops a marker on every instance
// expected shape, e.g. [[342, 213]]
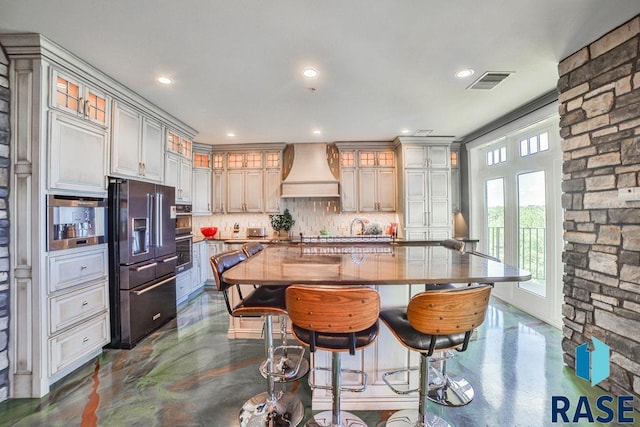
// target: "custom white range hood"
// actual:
[[310, 175]]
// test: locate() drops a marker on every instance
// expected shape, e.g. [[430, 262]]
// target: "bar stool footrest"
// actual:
[[436, 380], [290, 368], [356, 388]]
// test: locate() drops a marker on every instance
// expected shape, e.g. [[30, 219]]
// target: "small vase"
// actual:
[[283, 234]]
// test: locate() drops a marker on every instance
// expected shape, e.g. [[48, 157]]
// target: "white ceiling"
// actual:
[[384, 65]]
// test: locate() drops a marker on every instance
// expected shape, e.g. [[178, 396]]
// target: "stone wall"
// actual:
[[599, 96], [4, 226]]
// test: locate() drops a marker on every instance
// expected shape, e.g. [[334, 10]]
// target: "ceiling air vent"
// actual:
[[489, 80], [422, 132]]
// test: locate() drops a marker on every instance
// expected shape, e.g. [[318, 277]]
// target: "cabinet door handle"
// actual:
[[85, 339], [84, 303], [83, 267]]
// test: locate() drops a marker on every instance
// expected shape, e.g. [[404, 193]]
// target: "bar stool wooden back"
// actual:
[[433, 321], [335, 319], [288, 365], [268, 408]]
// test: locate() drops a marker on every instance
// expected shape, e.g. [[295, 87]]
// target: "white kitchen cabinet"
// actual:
[[426, 156], [178, 144], [213, 247], [272, 181], [62, 111], [203, 274], [217, 183], [426, 189], [248, 181], [70, 168], [368, 179], [456, 188], [201, 191], [136, 145], [377, 190], [184, 286], [74, 96], [348, 181], [178, 173], [68, 269], [78, 343], [77, 305], [244, 191], [72, 307], [348, 190], [201, 180]]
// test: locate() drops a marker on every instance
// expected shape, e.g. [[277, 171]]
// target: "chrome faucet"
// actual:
[[362, 222]]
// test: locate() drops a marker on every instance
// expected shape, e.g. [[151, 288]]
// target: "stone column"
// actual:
[[4, 225], [599, 96]]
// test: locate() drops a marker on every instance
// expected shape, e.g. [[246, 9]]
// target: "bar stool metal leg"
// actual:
[[289, 361], [452, 390], [271, 408], [419, 418], [335, 417]]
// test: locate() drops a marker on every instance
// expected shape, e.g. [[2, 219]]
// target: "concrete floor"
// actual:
[[189, 374]]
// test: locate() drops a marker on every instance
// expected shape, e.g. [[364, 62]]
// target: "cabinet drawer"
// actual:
[[69, 270], [70, 346], [67, 309]]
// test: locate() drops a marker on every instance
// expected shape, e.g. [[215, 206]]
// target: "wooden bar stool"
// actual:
[[268, 408], [288, 366], [433, 321], [335, 319], [451, 389]]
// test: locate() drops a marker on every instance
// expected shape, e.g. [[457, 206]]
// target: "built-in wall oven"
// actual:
[[184, 238]]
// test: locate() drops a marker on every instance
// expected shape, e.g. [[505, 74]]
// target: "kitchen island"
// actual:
[[396, 271]]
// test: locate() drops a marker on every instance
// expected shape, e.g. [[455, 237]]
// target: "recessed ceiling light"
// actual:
[[310, 73], [317, 132], [464, 73], [164, 80], [405, 131], [231, 134]]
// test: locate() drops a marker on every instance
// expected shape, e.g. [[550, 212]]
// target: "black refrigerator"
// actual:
[[142, 259]]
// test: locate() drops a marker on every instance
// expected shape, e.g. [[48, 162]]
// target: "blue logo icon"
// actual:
[[593, 365]]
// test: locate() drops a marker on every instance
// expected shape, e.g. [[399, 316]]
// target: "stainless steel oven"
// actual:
[[183, 220], [184, 238], [184, 245]]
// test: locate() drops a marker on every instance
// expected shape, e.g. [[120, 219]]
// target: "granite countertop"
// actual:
[[296, 241]]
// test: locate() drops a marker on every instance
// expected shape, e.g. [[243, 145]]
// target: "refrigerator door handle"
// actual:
[[150, 206], [154, 286], [170, 258], [144, 267], [158, 221]]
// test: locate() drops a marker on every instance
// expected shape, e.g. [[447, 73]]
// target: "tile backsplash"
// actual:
[[310, 214]]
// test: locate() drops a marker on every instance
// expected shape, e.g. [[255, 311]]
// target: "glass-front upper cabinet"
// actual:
[[179, 145], [73, 96], [376, 158]]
